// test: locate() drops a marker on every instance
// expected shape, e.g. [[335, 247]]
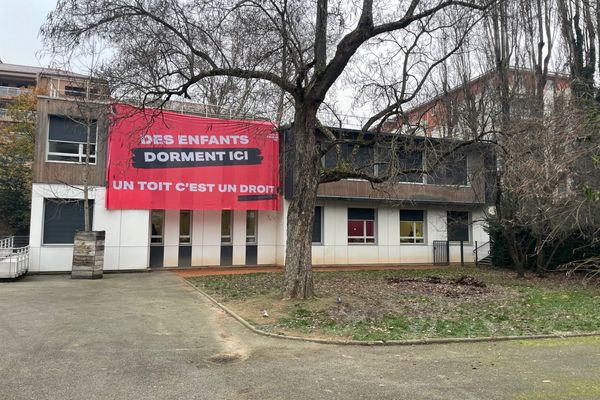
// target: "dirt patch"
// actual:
[[225, 358], [464, 286], [469, 281], [233, 348], [354, 298]]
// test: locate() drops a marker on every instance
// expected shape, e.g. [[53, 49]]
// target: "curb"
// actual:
[[407, 342]]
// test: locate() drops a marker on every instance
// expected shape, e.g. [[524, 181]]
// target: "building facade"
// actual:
[[355, 222]]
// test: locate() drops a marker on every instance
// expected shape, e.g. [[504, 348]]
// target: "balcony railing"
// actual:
[[13, 91], [14, 256], [191, 107]]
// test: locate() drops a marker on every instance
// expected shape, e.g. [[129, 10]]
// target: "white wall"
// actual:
[[127, 232], [335, 249], [268, 222], [171, 238], [239, 237], [206, 237]]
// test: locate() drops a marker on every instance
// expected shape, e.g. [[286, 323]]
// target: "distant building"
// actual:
[[473, 107]]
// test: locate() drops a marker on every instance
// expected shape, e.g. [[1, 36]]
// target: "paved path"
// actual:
[[150, 336]]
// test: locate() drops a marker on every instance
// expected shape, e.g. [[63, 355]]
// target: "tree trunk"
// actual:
[[86, 174], [298, 260], [515, 255]]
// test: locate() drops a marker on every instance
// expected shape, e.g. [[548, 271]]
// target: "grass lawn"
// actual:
[[412, 304]]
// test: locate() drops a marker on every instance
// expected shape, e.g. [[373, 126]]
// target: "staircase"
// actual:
[[485, 261]]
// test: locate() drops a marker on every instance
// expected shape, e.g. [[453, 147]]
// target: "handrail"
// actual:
[[480, 246], [476, 251], [13, 91], [14, 256], [7, 243]]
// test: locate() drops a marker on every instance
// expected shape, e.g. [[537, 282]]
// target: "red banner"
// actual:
[[170, 161]]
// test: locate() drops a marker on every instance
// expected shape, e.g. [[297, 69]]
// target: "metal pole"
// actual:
[[462, 254], [476, 256]]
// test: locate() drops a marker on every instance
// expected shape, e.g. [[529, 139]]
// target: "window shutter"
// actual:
[[361, 213], [411, 215], [62, 217], [70, 130]]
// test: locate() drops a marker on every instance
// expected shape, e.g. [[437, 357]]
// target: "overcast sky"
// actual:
[[21, 21], [19, 42]]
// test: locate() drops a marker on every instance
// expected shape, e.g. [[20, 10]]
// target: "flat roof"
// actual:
[[33, 72]]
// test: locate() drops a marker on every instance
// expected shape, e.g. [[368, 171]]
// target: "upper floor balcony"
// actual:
[[10, 91]]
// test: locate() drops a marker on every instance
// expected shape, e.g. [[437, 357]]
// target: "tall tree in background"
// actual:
[[164, 48], [545, 140], [521, 42], [16, 156], [579, 25]]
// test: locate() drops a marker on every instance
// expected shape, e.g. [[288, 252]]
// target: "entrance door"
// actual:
[[226, 237], [185, 239], [157, 238], [441, 252], [251, 237]]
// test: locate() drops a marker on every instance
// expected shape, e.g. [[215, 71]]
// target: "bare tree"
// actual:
[[541, 188], [578, 29], [164, 48]]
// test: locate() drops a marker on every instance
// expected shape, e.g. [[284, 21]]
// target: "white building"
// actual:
[[355, 222]]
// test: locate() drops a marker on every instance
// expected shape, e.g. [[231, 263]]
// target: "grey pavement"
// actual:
[[151, 336]]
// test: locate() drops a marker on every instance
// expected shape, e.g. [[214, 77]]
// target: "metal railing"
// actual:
[[14, 256], [441, 252], [190, 107], [13, 91], [481, 251]]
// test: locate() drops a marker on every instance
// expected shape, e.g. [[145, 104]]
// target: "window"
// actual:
[[363, 159], [62, 217], [185, 227], [79, 91], [410, 161], [67, 140], [75, 91], [157, 220], [361, 225], [317, 233], [458, 226], [226, 227], [251, 226], [412, 226], [452, 170]]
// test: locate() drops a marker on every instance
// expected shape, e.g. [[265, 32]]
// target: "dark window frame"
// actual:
[[253, 237], [186, 239], [227, 239], [412, 216], [364, 215], [456, 222], [318, 226], [157, 239], [54, 218], [77, 138], [453, 170]]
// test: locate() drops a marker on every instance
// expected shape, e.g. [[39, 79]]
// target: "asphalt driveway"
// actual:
[[151, 336]]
